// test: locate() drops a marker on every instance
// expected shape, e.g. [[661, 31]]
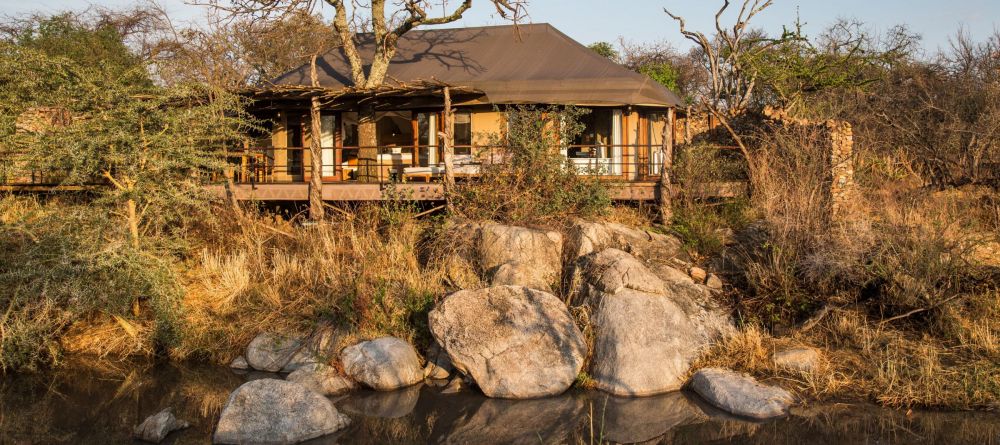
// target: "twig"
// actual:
[[427, 212], [924, 309]]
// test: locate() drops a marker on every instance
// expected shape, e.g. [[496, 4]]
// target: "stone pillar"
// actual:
[[842, 187]]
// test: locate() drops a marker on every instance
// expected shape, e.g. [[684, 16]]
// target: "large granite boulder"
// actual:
[[648, 325], [323, 379], [535, 255], [156, 427], [383, 364], [272, 411], [740, 394], [513, 341], [644, 344]]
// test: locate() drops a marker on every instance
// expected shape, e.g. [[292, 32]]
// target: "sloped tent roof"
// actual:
[[533, 63]]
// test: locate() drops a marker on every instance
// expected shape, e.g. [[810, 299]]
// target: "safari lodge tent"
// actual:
[[486, 69]]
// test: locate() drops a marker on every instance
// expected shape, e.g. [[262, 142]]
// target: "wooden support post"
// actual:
[[663, 192], [316, 210], [448, 139]]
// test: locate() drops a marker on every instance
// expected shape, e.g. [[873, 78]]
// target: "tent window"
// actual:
[[294, 140], [595, 139], [463, 133]]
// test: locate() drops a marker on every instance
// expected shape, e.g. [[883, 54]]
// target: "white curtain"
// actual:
[[616, 144], [327, 144]]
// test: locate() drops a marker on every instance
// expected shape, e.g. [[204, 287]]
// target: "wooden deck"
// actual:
[[632, 191]]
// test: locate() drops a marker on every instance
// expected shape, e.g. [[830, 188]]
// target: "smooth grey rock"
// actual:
[[710, 320], [644, 343], [383, 404], [156, 427], [647, 329], [383, 364], [538, 250], [514, 342], [271, 411], [584, 238], [635, 420], [239, 363], [740, 394], [802, 359], [438, 364], [323, 379], [613, 270], [271, 352], [541, 421], [517, 273]]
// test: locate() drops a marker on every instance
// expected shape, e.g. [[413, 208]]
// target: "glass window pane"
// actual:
[[350, 128]]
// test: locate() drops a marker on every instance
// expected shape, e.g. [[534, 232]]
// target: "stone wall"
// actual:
[[842, 187]]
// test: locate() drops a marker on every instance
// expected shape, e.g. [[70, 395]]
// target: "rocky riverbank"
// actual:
[[633, 317]]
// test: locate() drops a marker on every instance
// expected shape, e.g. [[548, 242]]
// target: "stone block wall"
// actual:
[[843, 191]]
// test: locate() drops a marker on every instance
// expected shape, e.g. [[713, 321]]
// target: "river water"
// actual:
[[82, 404]]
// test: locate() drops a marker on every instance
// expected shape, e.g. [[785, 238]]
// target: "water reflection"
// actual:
[[84, 404]]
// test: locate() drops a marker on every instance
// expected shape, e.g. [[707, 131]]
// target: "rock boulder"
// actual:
[[740, 394], [648, 326], [156, 427], [644, 343], [513, 341], [585, 237], [383, 364], [275, 411], [536, 254]]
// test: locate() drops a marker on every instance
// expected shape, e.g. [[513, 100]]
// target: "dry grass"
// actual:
[[905, 273], [863, 361], [266, 274]]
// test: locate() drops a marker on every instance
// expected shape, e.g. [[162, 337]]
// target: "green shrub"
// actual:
[[532, 182]]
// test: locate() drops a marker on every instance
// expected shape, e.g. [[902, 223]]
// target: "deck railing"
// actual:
[[387, 164], [425, 163]]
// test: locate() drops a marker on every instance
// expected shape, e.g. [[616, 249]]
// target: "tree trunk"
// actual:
[[230, 187], [315, 163], [133, 223], [368, 169], [315, 151], [448, 139], [664, 190]]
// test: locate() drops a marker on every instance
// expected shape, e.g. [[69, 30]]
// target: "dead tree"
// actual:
[[726, 60]]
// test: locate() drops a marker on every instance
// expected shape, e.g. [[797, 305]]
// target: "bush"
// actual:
[[65, 263], [531, 182]]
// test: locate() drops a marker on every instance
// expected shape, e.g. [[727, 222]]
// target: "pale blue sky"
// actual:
[[643, 20]]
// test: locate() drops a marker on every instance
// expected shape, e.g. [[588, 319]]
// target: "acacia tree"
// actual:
[[151, 145], [386, 26]]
